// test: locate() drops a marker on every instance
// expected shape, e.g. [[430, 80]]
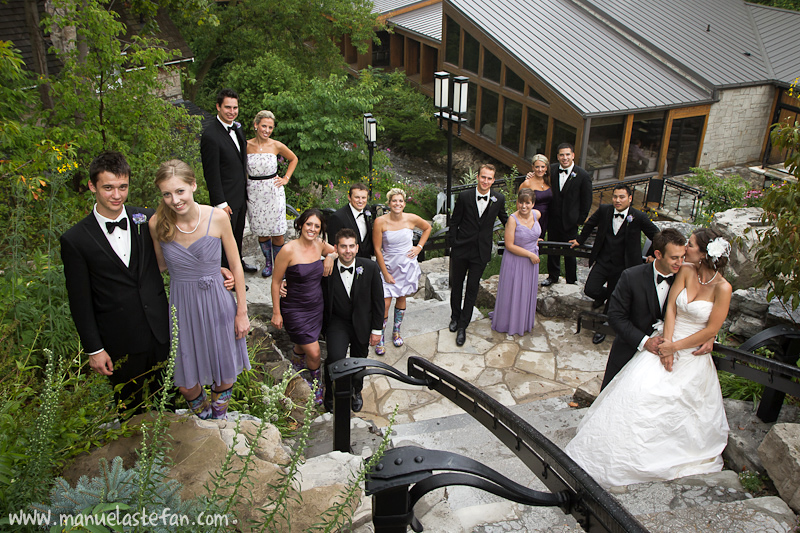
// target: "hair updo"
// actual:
[[704, 236]]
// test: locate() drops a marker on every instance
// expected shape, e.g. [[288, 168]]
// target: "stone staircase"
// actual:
[[708, 503]]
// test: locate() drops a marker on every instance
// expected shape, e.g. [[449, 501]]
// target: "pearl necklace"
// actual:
[[707, 282], [195, 227]]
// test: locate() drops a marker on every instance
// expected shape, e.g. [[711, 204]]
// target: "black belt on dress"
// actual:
[[263, 177]]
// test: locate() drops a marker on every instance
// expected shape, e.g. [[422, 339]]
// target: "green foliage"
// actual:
[[720, 193], [107, 96], [752, 481], [405, 116], [776, 252], [322, 123], [257, 393]]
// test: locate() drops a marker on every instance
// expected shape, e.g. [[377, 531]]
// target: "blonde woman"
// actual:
[[188, 239], [538, 180], [392, 237], [266, 199]]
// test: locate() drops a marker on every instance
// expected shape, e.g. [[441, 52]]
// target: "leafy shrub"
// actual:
[[720, 193]]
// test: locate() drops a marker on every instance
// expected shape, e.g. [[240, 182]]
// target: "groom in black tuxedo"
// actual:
[[572, 200], [470, 235], [617, 246], [355, 216], [116, 292], [639, 302], [223, 151], [353, 316]]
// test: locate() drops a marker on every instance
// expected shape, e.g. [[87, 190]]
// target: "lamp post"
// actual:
[[370, 136], [451, 112]]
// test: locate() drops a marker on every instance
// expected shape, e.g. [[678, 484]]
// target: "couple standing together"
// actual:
[[660, 414]]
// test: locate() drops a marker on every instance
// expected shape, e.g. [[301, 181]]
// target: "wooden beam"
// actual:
[[626, 141]]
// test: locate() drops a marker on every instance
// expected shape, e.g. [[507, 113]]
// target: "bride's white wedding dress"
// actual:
[[649, 424]]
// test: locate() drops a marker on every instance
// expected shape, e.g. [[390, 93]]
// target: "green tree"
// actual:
[[303, 33], [776, 253]]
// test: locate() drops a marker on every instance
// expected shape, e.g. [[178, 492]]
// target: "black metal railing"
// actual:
[[681, 189]]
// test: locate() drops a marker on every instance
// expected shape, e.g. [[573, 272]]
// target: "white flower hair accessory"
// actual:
[[717, 248]]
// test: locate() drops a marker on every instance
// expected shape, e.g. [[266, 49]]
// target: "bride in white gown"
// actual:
[[661, 419]]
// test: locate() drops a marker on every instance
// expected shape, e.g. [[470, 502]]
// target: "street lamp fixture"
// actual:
[[451, 112], [370, 137]]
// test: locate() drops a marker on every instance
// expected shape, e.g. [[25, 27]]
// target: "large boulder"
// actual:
[[742, 271], [780, 453]]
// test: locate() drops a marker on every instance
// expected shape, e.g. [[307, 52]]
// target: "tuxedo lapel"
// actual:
[[226, 135], [96, 235], [355, 290], [649, 285]]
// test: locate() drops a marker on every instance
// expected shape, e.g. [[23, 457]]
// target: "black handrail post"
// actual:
[[772, 400], [342, 392], [391, 510]]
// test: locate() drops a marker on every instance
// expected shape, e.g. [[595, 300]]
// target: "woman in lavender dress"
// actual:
[[392, 236], [300, 311], [539, 182], [266, 199], [515, 308], [188, 239]]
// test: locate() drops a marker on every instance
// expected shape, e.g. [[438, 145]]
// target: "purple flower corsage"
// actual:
[[572, 175], [493, 198], [359, 271], [237, 125], [205, 282], [629, 219], [367, 213], [139, 219]]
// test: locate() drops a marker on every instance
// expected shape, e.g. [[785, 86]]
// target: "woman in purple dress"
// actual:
[[539, 182], [392, 236], [515, 308], [300, 311], [188, 239]]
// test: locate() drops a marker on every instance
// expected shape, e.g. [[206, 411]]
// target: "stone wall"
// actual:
[[736, 126]]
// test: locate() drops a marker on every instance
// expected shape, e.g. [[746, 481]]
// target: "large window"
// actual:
[[684, 143], [535, 133], [453, 42], [380, 52], [646, 134], [491, 66], [562, 133], [472, 51], [489, 103], [472, 104], [605, 140], [512, 124], [513, 81]]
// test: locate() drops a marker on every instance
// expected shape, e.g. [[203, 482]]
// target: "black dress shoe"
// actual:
[[249, 268], [356, 402], [548, 282], [598, 338], [453, 325], [461, 337]]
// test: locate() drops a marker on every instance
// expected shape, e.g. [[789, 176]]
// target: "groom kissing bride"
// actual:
[[660, 417]]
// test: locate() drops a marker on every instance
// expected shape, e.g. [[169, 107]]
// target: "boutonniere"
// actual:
[[367, 214], [237, 125], [629, 219], [571, 175], [493, 198], [359, 271], [139, 219]]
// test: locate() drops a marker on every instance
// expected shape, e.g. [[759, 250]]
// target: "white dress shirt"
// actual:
[[482, 204], [662, 290], [562, 177], [347, 281], [616, 222], [361, 222], [231, 134], [119, 239]]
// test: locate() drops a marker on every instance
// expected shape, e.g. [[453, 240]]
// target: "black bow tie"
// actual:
[[668, 279], [484, 198], [620, 215], [342, 269], [122, 224], [230, 128], [361, 214], [563, 171]]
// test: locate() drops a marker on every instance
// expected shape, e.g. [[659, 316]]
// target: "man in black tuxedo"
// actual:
[[639, 302], [355, 216], [572, 200], [353, 317], [116, 292], [470, 236], [618, 245], [223, 150]]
